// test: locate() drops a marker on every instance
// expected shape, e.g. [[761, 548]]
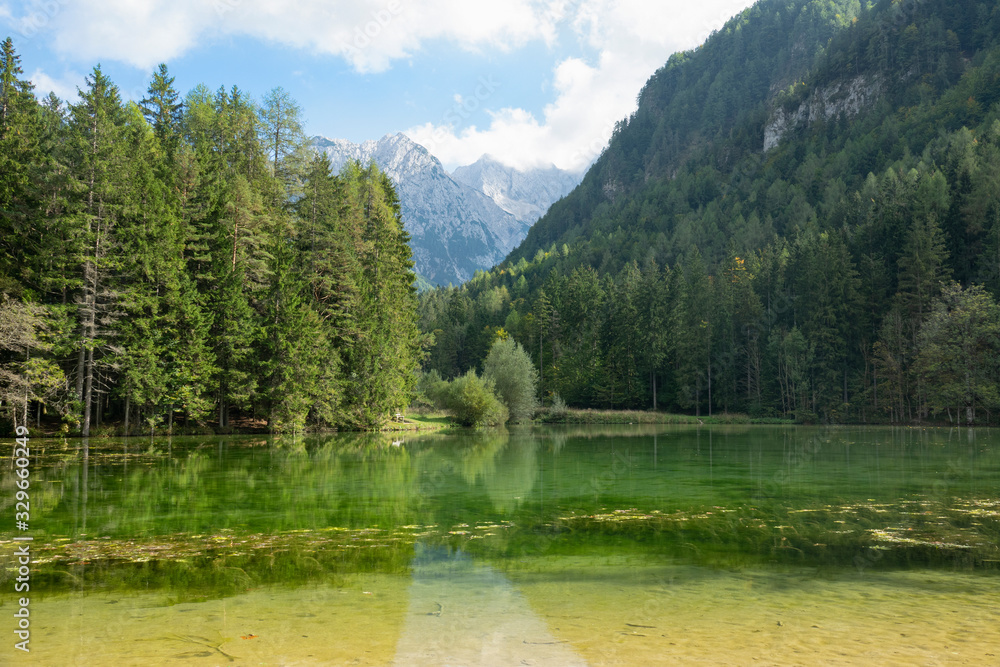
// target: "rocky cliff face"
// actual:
[[460, 224], [842, 98], [526, 195]]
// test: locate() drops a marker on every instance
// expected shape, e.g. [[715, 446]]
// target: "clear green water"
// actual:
[[556, 546]]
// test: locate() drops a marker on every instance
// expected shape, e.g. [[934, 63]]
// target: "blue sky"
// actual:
[[532, 82]]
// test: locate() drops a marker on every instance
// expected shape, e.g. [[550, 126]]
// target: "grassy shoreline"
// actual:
[[437, 420], [590, 416]]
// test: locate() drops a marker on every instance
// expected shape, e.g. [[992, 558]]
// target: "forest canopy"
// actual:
[[801, 219], [190, 258]]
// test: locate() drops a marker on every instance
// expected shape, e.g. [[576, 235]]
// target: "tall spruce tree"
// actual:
[[99, 169], [296, 374], [163, 109], [20, 158], [381, 362]]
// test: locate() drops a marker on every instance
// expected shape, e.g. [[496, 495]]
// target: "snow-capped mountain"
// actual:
[[526, 195], [457, 225]]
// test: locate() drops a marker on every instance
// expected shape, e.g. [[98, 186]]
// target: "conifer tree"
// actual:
[[922, 267], [163, 110], [381, 361], [297, 372], [329, 239], [167, 363], [282, 137], [20, 156], [692, 322], [98, 167]]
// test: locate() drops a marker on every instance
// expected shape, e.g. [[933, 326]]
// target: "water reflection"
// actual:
[[466, 613], [224, 513]]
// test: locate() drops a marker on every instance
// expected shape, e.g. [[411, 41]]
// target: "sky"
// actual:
[[530, 82]]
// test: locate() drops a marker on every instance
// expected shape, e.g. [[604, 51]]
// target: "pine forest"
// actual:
[[188, 259], [800, 220]]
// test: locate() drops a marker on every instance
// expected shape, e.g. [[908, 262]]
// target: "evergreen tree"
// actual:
[[297, 351], [828, 306], [693, 326], [329, 238], [19, 160], [163, 110], [26, 375], [381, 361], [922, 267], [99, 170], [166, 360]]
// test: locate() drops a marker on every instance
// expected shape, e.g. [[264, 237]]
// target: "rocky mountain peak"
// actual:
[[458, 223]]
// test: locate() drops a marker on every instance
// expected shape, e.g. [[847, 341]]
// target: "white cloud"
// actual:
[[65, 87], [623, 42], [632, 39], [370, 34]]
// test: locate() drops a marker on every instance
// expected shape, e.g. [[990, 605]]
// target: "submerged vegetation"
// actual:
[[201, 517]]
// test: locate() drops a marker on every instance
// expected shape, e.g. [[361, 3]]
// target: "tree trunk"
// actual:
[[128, 405], [80, 365], [709, 387], [88, 392], [541, 367]]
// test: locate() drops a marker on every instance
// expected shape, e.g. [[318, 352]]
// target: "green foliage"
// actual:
[[959, 352], [185, 259], [24, 374], [434, 389], [472, 401], [514, 378], [701, 273], [382, 357], [558, 409]]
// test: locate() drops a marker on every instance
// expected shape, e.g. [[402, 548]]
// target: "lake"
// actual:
[[615, 545]]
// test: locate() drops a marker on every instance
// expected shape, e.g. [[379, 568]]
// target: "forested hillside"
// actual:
[[802, 218], [184, 259]]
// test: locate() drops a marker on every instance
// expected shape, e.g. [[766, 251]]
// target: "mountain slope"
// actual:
[[455, 230], [710, 122], [706, 106], [812, 175], [461, 223]]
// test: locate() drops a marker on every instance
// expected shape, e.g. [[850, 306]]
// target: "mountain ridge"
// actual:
[[457, 225], [789, 225]]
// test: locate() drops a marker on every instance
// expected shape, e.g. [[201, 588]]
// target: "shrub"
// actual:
[[514, 378], [435, 390], [473, 402], [558, 409]]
